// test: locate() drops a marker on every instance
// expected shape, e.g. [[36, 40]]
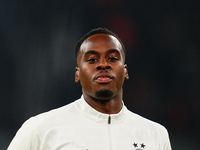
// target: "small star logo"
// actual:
[[135, 145], [142, 145]]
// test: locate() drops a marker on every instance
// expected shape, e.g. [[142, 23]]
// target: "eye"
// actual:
[[92, 60], [113, 59]]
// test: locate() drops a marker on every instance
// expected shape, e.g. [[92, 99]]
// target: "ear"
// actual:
[[77, 75], [126, 72]]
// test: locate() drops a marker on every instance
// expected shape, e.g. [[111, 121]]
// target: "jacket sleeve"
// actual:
[[26, 138], [165, 140]]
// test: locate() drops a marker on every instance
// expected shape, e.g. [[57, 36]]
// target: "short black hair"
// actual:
[[97, 31]]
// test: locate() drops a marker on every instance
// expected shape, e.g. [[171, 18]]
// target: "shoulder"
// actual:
[[145, 124], [32, 131], [53, 115], [41, 122]]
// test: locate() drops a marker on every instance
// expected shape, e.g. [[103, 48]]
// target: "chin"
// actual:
[[104, 94]]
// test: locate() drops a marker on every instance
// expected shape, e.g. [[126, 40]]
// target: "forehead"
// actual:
[[101, 41]]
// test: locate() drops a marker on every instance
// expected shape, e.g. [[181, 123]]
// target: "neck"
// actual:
[[109, 106]]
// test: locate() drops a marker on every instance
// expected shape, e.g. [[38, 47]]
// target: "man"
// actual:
[[98, 120]]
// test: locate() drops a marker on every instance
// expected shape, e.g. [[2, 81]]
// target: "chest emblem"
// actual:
[[138, 146]]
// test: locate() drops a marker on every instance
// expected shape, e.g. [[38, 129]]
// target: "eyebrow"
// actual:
[[95, 52], [114, 51], [90, 52]]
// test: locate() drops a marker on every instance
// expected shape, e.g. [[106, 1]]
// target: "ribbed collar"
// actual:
[[97, 116]]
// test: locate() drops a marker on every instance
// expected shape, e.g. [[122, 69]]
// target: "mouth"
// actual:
[[103, 78]]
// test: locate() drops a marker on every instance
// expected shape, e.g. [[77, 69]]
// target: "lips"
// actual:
[[103, 78]]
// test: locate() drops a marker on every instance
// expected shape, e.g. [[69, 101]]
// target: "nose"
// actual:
[[103, 65]]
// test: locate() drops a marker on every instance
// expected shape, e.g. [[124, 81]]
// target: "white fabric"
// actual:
[[77, 126]]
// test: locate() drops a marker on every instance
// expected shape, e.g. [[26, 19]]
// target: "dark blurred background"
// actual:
[[37, 40]]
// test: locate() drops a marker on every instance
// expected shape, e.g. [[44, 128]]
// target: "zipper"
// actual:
[[109, 132], [109, 119]]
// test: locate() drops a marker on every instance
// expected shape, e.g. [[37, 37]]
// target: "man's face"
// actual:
[[100, 66]]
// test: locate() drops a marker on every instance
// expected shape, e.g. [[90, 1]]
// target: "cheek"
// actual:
[[85, 71], [85, 76], [120, 75]]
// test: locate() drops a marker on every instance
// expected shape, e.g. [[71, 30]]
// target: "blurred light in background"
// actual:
[[162, 41]]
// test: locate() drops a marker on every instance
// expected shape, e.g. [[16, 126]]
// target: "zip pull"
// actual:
[[109, 119]]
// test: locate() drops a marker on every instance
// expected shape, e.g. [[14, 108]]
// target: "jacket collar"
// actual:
[[97, 116]]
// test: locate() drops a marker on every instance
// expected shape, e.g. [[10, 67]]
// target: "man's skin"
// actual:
[[101, 70]]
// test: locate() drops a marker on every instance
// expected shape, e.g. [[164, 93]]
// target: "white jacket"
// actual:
[[77, 126]]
